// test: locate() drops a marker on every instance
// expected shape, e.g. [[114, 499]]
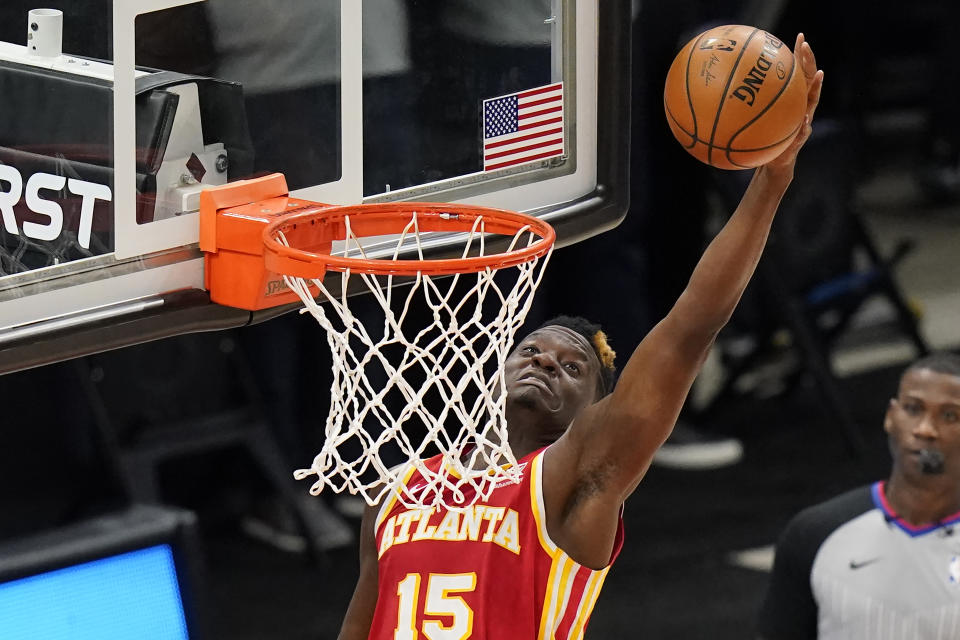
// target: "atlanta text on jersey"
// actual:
[[497, 525]]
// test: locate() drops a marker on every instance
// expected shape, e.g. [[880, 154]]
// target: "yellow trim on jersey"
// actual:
[[536, 505], [560, 583], [590, 595], [449, 469], [556, 583], [563, 571], [453, 472], [566, 585], [392, 500]]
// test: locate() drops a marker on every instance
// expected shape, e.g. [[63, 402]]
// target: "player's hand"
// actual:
[[808, 65]]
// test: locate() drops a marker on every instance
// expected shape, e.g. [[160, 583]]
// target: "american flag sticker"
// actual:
[[523, 127]]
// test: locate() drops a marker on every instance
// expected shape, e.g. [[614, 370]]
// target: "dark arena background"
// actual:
[[166, 466]]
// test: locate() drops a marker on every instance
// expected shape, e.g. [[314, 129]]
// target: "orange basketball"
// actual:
[[735, 97]]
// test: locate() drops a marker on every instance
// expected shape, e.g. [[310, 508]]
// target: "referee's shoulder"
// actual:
[[820, 520]]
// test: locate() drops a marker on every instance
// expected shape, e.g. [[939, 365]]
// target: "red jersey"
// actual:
[[488, 572]]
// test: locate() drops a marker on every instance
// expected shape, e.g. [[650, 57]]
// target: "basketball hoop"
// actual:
[[442, 378]]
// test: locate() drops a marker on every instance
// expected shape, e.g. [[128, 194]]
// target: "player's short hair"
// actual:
[[598, 340], [939, 362]]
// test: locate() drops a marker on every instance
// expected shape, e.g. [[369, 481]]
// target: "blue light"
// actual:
[[130, 596]]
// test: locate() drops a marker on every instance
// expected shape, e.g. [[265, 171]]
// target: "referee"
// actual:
[[883, 561]]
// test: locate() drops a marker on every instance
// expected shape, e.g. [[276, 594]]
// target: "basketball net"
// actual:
[[386, 372]]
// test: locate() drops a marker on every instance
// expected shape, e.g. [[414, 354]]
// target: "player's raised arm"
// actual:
[[609, 447]]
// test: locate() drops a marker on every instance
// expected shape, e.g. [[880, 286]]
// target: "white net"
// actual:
[[423, 377]]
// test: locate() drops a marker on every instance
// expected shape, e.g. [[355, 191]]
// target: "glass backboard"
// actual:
[[117, 114]]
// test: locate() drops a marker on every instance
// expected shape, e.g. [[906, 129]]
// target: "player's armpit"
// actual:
[[582, 513]]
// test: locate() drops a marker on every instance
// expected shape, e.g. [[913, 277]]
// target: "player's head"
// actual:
[[597, 340], [559, 369], [923, 419]]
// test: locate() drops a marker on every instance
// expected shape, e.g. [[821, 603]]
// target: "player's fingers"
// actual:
[[813, 93], [789, 154], [808, 61], [802, 135], [806, 130], [807, 64], [801, 138]]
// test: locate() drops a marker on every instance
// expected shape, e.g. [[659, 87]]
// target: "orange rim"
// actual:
[[311, 231]]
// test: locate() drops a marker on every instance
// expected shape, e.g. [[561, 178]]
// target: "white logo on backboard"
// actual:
[[88, 192]]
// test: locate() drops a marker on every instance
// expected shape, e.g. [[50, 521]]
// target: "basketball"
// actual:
[[735, 97]]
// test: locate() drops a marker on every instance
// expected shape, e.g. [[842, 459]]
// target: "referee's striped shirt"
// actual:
[[851, 569]]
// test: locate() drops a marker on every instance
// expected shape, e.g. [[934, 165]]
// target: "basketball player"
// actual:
[[528, 562], [883, 561]]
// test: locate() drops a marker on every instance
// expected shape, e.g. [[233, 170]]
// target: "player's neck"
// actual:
[[922, 502], [528, 432]]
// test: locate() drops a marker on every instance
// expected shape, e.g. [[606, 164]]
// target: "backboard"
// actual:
[[118, 113]]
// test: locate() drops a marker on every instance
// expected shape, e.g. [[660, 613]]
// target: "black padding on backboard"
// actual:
[[221, 111], [62, 123], [71, 116], [42, 107]]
